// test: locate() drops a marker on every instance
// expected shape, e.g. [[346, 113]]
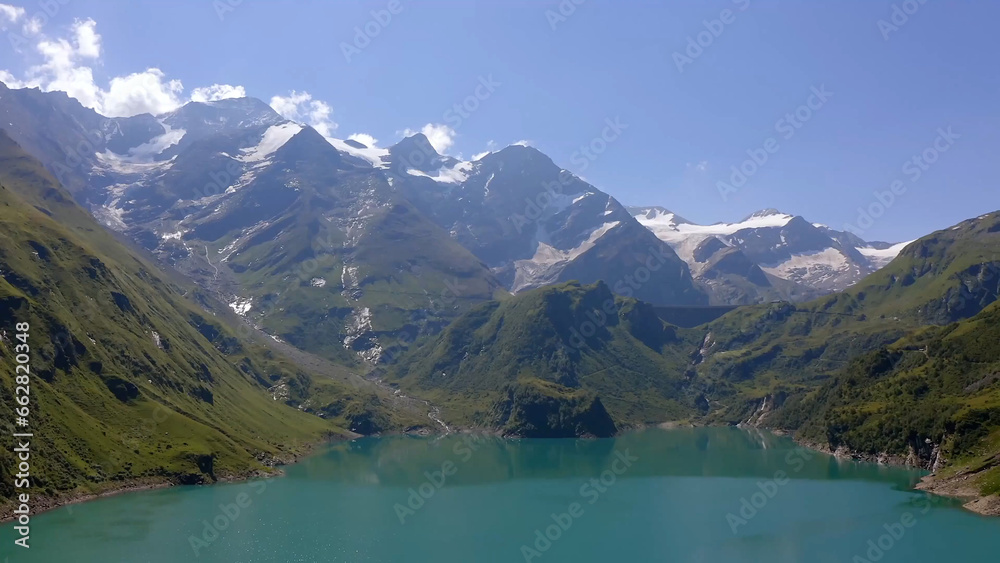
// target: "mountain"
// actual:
[[130, 381], [761, 354], [930, 400], [568, 339], [361, 250], [269, 216], [534, 223], [901, 366], [768, 255]]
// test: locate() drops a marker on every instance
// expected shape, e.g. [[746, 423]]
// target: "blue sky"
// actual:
[[557, 80]]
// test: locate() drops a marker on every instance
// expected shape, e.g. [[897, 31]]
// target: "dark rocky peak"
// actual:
[[416, 153], [199, 118]]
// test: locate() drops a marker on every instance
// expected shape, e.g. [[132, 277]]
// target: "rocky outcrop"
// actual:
[[537, 409]]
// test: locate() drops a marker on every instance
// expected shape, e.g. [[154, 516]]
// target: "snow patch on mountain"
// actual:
[[110, 215], [812, 268], [668, 227], [781, 244], [241, 306], [273, 139], [547, 262], [372, 155], [880, 257], [129, 164], [176, 235], [486, 188], [147, 152], [455, 174]]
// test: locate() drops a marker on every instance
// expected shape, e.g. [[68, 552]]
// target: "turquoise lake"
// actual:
[[685, 495]]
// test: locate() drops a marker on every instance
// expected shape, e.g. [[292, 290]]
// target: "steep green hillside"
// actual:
[[129, 380], [932, 398], [782, 349], [580, 337], [880, 370]]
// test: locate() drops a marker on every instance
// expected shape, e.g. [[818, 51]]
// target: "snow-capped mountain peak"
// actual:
[[769, 212], [785, 246]]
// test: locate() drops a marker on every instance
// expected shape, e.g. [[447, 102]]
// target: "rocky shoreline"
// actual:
[[958, 486]]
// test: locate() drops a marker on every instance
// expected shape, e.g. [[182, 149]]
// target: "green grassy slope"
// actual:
[[781, 349], [129, 379], [904, 365], [933, 396], [576, 336]]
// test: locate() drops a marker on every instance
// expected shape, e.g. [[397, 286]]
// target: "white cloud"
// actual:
[[441, 136], [62, 69], [319, 117], [217, 92], [364, 139], [88, 42], [491, 145], [66, 67], [9, 79], [522, 143], [142, 92], [288, 106], [11, 13], [300, 106]]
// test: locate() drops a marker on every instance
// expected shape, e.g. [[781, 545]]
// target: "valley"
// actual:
[[567, 281], [398, 290]]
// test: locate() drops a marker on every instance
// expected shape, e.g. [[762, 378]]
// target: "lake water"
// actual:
[[687, 495]]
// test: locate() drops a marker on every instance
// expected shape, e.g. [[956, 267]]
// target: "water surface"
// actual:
[[686, 495]]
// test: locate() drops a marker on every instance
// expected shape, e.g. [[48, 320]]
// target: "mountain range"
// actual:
[[768, 255], [364, 250], [266, 287], [131, 379], [902, 367]]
